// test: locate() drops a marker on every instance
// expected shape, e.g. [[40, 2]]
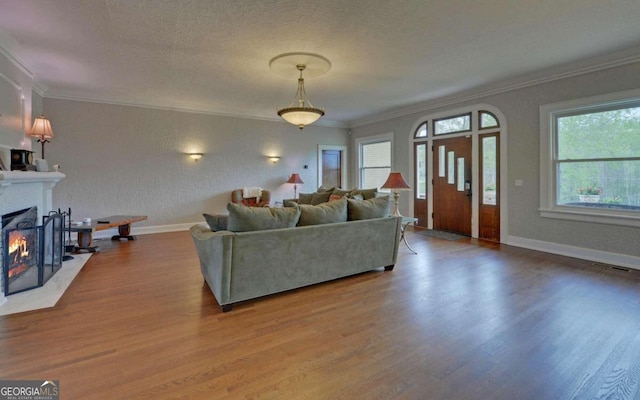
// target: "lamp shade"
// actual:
[[301, 116], [41, 129], [295, 178], [396, 181]]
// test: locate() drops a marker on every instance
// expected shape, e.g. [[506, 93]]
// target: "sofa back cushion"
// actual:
[[326, 213], [367, 209], [245, 219], [216, 222]]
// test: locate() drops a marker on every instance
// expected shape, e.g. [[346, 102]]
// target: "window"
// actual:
[[458, 123], [375, 162], [488, 120], [591, 157], [421, 132]]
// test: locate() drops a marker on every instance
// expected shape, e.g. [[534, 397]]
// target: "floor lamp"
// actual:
[[396, 182]]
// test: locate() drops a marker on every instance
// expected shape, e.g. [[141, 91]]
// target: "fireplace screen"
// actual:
[[31, 254]]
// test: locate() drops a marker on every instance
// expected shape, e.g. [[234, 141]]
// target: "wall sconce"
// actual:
[[274, 159], [195, 156]]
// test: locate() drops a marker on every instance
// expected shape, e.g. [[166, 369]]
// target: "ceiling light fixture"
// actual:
[[300, 112]]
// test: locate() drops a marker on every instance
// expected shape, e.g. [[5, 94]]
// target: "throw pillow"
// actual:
[[325, 189], [320, 197], [216, 222], [340, 192], [366, 193], [327, 213], [244, 219], [334, 197], [305, 198], [367, 209]]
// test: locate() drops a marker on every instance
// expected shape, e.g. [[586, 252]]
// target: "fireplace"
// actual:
[[19, 189], [31, 253]]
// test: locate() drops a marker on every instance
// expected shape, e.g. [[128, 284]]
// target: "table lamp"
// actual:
[[295, 179], [396, 182]]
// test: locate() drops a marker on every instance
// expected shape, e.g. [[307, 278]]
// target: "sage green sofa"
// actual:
[[240, 266]]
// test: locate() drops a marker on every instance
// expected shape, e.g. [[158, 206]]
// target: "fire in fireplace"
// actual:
[[30, 254]]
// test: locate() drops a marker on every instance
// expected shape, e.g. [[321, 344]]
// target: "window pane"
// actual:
[[374, 178], [606, 134], [421, 171], [604, 184], [422, 131], [487, 120], [489, 164], [454, 124], [376, 155]]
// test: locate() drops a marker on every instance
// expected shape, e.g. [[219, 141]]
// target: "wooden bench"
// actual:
[[123, 222]]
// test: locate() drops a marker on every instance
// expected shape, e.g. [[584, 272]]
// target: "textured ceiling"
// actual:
[[213, 55]]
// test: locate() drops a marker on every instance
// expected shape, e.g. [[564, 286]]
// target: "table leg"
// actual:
[[124, 232], [84, 242], [404, 239]]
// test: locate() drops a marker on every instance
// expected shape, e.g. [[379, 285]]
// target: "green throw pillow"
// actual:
[[367, 209], [305, 198], [366, 193], [326, 213], [216, 222], [320, 197], [245, 219]]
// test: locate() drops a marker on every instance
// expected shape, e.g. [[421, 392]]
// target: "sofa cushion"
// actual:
[[320, 197], [244, 219], [304, 198], [366, 193], [216, 222], [325, 189], [367, 209], [340, 192], [326, 213]]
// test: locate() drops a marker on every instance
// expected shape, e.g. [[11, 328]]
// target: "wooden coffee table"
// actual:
[[123, 222]]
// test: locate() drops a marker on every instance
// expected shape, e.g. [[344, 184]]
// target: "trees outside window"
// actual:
[[591, 156]]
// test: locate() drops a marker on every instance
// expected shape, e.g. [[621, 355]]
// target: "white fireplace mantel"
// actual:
[[11, 177], [23, 189]]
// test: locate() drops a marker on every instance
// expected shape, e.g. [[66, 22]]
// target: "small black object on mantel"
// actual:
[[22, 160]]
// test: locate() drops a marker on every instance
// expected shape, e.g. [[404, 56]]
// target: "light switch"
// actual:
[[519, 182]]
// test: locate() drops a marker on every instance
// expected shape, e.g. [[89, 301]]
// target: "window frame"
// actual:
[[387, 137], [549, 113]]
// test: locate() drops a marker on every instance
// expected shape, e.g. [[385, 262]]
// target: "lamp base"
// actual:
[[396, 211]]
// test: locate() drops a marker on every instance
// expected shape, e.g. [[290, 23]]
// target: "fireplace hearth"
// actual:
[[31, 253]]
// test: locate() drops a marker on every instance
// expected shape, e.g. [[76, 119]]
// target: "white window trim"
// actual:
[[548, 206], [368, 140]]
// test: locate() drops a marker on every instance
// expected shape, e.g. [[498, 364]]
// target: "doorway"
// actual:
[[332, 166]]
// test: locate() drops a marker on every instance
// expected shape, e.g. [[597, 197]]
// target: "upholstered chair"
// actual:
[[262, 201]]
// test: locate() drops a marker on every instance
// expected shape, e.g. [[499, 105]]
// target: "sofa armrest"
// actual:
[[214, 252]]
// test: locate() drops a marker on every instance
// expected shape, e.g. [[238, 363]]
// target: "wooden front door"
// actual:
[[331, 168], [452, 185]]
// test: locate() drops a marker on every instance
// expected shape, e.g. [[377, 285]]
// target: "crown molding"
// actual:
[[469, 95], [60, 96]]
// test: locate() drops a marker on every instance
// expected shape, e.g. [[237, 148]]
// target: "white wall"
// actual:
[[15, 106], [131, 160], [521, 109]]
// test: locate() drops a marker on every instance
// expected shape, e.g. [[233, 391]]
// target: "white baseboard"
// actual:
[[599, 256]]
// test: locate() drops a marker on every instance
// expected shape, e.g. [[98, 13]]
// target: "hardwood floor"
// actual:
[[460, 320]]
